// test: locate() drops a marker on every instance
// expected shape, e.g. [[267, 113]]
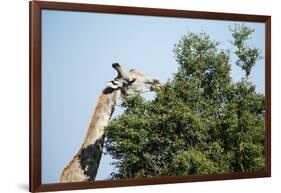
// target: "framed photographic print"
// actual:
[[123, 96]]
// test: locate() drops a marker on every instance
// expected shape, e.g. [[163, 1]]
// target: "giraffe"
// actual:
[[84, 165]]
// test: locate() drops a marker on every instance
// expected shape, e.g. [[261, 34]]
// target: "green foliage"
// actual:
[[199, 123], [247, 56]]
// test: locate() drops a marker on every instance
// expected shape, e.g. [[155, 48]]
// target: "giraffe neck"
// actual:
[[85, 163], [101, 117]]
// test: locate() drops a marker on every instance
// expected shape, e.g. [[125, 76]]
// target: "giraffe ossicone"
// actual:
[[85, 164]]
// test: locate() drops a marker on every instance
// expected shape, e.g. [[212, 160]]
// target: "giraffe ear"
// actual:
[[113, 84]]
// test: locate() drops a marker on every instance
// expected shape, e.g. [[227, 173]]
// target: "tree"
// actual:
[[247, 56], [201, 122]]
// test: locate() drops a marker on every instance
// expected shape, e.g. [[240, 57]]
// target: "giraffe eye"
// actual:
[[131, 81]]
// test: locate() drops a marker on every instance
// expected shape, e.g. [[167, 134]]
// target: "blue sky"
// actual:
[[78, 49]]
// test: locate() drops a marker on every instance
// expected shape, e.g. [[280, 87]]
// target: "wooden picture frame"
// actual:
[[35, 7]]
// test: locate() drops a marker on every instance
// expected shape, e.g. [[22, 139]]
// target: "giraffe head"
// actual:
[[132, 82]]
